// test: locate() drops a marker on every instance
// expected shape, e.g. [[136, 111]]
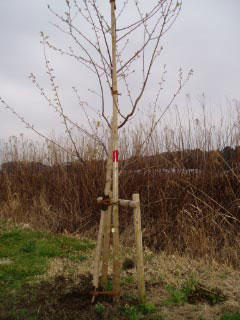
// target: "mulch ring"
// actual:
[[64, 299]]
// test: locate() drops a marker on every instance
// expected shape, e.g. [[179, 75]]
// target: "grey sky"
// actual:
[[205, 38]]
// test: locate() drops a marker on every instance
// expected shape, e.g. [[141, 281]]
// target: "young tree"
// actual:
[[119, 43]]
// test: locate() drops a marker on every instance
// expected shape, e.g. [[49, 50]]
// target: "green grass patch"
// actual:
[[231, 316], [136, 312], [129, 279], [26, 253], [193, 292], [179, 296]]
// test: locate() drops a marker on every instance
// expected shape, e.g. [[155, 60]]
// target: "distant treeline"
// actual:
[[227, 158]]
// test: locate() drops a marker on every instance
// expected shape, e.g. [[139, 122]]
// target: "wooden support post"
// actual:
[[104, 225], [106, 246], [98, 251], [139, 249], [128, 203]]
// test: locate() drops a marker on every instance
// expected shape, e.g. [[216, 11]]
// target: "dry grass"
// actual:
[[191, 212]]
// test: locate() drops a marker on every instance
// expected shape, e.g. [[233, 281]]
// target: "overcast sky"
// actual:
[[205, 38]]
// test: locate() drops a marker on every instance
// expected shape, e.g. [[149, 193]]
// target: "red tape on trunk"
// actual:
[[115, 156]]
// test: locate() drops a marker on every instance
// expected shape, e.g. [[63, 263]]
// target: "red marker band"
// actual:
[[115, 156]]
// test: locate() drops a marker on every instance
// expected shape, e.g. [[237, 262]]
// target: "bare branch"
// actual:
[[154, 125], [30, 126], [155, 53], [71, 27]]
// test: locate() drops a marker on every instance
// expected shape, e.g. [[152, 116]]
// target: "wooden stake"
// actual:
[[139, 248], [98, 251], [106, 246], [104, 223]]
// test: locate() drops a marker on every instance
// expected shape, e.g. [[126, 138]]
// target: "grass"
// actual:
[[231, 316], [26, 253], [44, 276], [193, 292], [132, 312], [226, 316], [178, 296]]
